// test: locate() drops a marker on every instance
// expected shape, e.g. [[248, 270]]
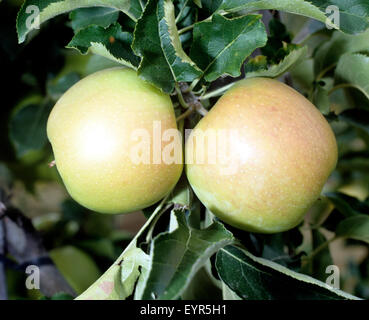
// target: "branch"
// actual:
[[190, 99], [3, 286], [25, 245]]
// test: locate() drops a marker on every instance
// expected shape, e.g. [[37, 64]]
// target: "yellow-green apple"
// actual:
[[113, 136], [273, 154]]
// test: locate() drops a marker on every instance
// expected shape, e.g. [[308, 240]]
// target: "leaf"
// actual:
[[228, 294], [57, 89], [281, 248], [117, 283], [256, 278], [100, 16], [177, 255], [27, 128], [182, 193], [274, 71], [279, 43], [221, 45], [255, 64], [347, 205], [321, 99], [133, 260], [146, 44], [353, 68], [355, 227], [328, 54], [48, 9], [354, 161], [303, 75], [353, 14], [358, 118], [198, 3], [102, 247], [202, 287], [110, 285], [6, 177], [111, 43], [181, 66]]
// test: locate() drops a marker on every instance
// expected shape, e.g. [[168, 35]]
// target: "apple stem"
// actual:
[[185, 114], [189, 100], [217, 92]]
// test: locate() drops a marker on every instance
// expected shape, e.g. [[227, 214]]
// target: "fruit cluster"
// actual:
[[258, 160]]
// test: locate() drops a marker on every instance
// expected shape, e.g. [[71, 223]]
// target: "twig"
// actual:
[[3, 286], [25, 245], [189, 100], [185, 29], [185, 114], [318, 249]]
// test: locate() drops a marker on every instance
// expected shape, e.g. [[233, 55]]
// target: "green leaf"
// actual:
[[347, 205], [198, 3], [181, 66], [221, 45], [300, 7], [256, 278], [353, 69], [111, 43], [328, 54], [177, 255], [303, 75], [48, 9], [355, 227], [134, 260], [57, 89], [356, 117], [321, 99], [6, 177], [279, 43], [353, 14], [229, 294], [100, 16], [274, 71], [255, 64], [112, 284], [202, 287], [27, 128], [182, 193], [154, 67], [101, 247]]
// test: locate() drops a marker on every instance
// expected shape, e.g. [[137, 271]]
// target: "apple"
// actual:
[[107, 146], [274, 152]]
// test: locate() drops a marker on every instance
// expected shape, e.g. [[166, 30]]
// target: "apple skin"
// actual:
[[90, 130], [284, 152]]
